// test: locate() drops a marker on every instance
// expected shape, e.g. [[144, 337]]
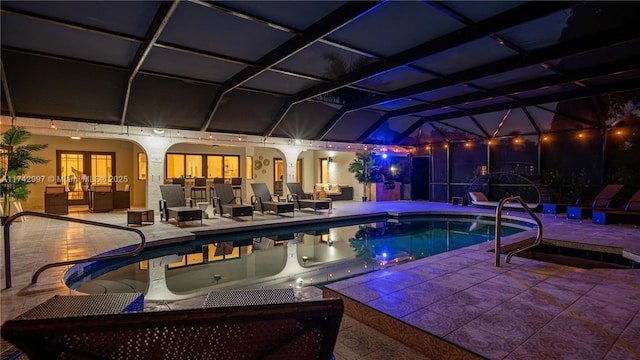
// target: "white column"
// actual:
[[290, 153], [156, 148]]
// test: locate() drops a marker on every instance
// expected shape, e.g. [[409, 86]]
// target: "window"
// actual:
[[194, 166], [219, 166], [214, 167], [4, 157], [231, 166], [175, 166], [142, 166]]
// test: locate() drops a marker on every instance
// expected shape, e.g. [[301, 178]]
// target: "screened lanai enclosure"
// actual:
[[545, 89]]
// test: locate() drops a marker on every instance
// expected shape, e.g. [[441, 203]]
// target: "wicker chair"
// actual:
[[56, 200], [101, 198], [174, 205], [225, 202], [263, 201], [304, 201]]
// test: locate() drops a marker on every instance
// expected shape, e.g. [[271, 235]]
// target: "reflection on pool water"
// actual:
[[288, 257]]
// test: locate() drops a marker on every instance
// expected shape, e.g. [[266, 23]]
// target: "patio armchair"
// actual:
[[101, 198], [122, 198], [263, 201], [173, 205], [56, 200], [306, 201], [225, 202]]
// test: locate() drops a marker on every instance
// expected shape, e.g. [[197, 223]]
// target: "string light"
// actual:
[[53, 126]]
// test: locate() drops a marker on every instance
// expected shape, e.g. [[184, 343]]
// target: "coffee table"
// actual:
[[138, 217]]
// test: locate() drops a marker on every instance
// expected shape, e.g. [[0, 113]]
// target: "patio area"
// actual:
[[453, 303]]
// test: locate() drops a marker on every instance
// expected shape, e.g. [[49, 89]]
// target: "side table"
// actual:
[[459, 201], [138, 217]]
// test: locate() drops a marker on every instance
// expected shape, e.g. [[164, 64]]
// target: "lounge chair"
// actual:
[[174, 205], [263, 201], [305, 201], [629, 214], [294, 330], [601, 201], [479, 199], [225, 202]]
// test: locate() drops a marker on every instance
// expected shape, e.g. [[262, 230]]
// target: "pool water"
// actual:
[[288, 257]]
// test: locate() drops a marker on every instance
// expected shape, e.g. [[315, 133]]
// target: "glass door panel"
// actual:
[[71, 173], [101, 169]]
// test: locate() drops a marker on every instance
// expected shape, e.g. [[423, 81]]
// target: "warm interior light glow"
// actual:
[[75, 137]]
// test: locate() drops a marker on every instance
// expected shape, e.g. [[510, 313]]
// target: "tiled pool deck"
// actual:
[[452, 305]]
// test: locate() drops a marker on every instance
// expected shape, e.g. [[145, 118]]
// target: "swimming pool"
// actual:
[[287, 257]]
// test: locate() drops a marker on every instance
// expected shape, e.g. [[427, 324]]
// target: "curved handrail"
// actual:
[[536, 242], [34, 279]]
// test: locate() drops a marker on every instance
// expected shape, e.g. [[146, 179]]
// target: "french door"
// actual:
[[78, 170]]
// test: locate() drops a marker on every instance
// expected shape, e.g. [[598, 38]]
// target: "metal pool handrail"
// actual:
[[34, 279], [535, 243]]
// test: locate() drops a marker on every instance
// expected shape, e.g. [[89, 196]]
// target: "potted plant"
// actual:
[[363, 167], [17, 160], [71, 181]]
